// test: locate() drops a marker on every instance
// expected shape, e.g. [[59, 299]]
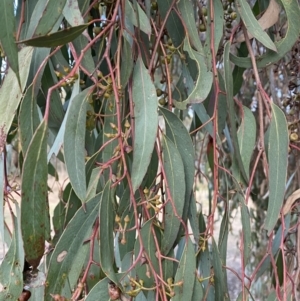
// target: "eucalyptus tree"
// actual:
[[144, 104]]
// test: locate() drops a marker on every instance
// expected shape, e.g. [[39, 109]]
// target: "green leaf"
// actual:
[[174, 172], [188, 15], [193, 218], [44, 17], [99, 291], [60, 135], [7, 35], [201, 112], [68, 246], [137, 16], [219, 280], [280, 268], [203, 79], [2, 231], [275, 245], [126, 64], [178, 134], [28, 119], [58, 38], [106, 234], [130, 236], [246, 230], [278, 160], [35, 220], [146, 122], [223, 237], [231, 111], [74, 136], [252, 24], [87, 61], [198, 292], [109, 151], [93, 183], [37, 72], [217, 23], [186, 273], [150, 249], [174, 25], [10, 89], [72, 13], [11, 269], [292, 11], [246, 139]]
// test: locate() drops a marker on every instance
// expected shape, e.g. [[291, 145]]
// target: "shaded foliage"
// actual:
[[144, 104]]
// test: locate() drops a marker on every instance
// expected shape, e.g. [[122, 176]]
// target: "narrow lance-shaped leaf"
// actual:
[[72, 13], [292, 11], [203, 81], [1, 193], [178, 134], [188, 15], [106, 224], [44, 17], [146, 121], [58, 38], [67, 248], [174, 171], [150, 249], [246, 139], [10, 90], [34, 205], [7, 35], [252, 24], [278, 160], [219, 280], [186, 274], [74, 136], [28, 119], [137, 17], [109, 150], [60, 135], [231, 112], [174, 26], [245, 215], [11, 269], [215, 23]]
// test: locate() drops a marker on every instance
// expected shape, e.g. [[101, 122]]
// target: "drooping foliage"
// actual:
[[167, 118]]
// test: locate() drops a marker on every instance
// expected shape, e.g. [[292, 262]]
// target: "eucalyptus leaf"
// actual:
[[203, 81], [292, 11], [146, 121], [278, 160], [173, 23], [7, 35], [174, 172], [252, 24], [58, 38], [74, 135], [185, 274], [188, 14], [231, 111], [137, 16], [35, 220], [106, 233], [11, 90], [246, 139], [28, 119], [44, 17], [72, 13], [11, 269], [65, 253]]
